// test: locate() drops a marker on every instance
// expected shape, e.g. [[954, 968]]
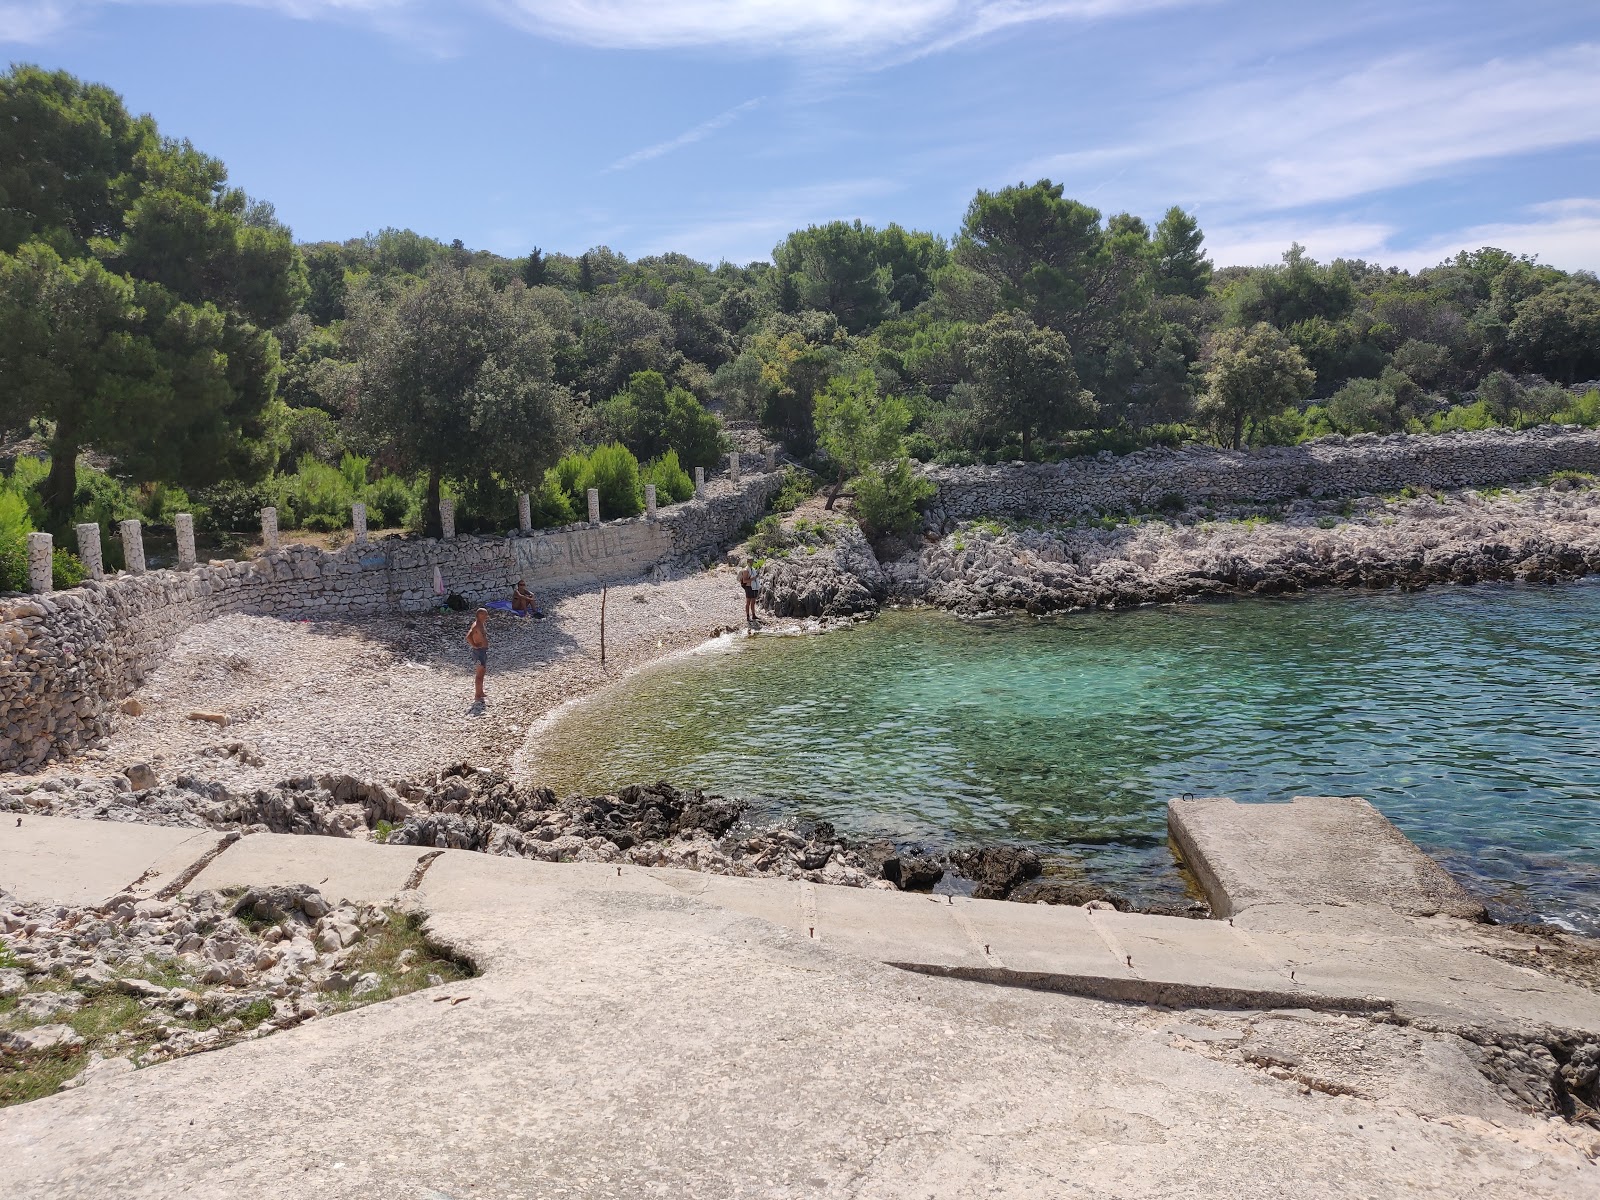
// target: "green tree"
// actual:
[[650, 418], [136, 293], [834, 267], [1254, 373], [1557, 331], [1180, 265], [456, 381], [1024, 381], [1036, 247], [535, 271], [325, 283], [857, 428]]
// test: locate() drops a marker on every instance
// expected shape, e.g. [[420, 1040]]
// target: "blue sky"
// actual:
[[1399, 132]]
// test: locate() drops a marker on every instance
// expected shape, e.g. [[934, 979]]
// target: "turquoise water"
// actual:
[[1469, 716]]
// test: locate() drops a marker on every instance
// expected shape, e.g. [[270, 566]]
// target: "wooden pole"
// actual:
[[602, 627]]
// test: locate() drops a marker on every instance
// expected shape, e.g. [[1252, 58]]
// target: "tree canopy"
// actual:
[[137, 292], [456, 379]]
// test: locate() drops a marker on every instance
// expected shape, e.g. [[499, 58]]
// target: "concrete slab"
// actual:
[[1043, 938], [895, 927], [1423, 965], [626, 1041], [341, 868], [1313, 850], [61, 860]]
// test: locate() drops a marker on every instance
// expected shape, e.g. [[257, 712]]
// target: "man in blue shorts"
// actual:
[[478, 639]]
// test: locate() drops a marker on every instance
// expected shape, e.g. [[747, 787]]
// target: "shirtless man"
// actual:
[[522, 599], [478, 639]]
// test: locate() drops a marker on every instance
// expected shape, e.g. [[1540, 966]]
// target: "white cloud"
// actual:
[[747, 233], [1563, 233], [687, 138], [1286, 141], [29, 23], [1256, 244], [783, 26]]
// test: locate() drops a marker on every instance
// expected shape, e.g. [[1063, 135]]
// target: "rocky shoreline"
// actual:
[[649, 825], [979, 567]]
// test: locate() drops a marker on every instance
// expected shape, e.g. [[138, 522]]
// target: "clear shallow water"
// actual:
[[1471, 717]]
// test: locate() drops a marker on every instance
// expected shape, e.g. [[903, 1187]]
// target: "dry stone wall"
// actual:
[[1327, 468], [66, 658]]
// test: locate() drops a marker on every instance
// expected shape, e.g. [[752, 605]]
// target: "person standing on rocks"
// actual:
[[478, 639], [752, 592]]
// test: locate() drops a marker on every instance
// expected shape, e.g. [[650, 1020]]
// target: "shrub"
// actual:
[[234, 507], [15, 527], [798, 485], [614, 472], [889, 498], [550, 506], [66, 570], [1584, 410], [391, 502], [160, 503], [673, 485]]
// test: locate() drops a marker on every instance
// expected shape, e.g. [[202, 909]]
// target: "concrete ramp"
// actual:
[[62, 860], [1315, 850]]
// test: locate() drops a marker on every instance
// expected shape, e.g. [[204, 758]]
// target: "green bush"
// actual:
[[673, 485], [550, 506], [798, 485], [889, 498], [391, 503], [66, 570], [1584, 410], [15, 526], [234, 507], [614, 471]]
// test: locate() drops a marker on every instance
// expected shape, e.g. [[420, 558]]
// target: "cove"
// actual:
[[1469, 716]]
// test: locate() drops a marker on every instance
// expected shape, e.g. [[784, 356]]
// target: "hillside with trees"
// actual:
[[168, 324]]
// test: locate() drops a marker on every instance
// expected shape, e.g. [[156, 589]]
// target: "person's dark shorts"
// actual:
[[750, 593], [480, 655]]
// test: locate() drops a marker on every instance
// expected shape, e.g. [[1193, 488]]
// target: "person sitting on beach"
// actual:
[[522, 600]]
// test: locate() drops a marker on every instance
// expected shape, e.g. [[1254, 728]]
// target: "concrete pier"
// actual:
[[132, 546], [40, 564], [183, 525], [89, 550], [1315, 850]]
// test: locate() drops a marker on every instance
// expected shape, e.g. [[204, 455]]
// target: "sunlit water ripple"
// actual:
[[1468, 716]]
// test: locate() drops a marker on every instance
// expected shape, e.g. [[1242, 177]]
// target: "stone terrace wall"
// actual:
[[67, 657], [1329, 467]]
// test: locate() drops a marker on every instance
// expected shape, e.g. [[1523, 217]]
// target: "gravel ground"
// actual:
[[390, 697]]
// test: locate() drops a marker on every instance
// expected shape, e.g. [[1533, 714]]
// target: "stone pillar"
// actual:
[[772, 458], [132, 547], [447, 518], [699, 483], [733, 465], [650, 501], [594, 506], [39, 573], [89, 550], [524, 513], [358, 522], [184, 524], [269, 528]]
